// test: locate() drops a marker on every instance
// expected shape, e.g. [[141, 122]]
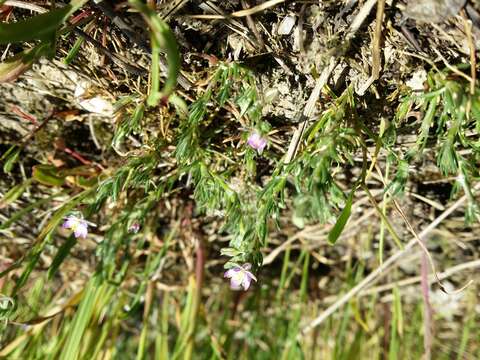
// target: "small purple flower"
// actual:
[[257, 142], [78, 225], [134, 227], [240, 277]]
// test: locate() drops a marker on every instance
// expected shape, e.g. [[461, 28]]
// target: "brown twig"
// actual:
[[25, 5], [471, 44], [308, 111], [253, 27], [452, 68], [16, 110], [241, 13], [410, 228], [377, 37], [38, 128], [116, 58], [416, 279], [425, 251], [374, 275], [125, 28], [322, 81]]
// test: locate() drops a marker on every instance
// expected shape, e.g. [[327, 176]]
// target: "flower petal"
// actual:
[[70, 222], [253, 140], [134, 227], [236, 282], [229, 273], [246, 282], [261, 145], [257, 142], [235, 287], [81, 230], [250, 275], [247, 266]]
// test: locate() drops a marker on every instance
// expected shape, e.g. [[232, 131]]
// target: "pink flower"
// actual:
[[134, 227], [78, 225], [257, 142], [240, 277]]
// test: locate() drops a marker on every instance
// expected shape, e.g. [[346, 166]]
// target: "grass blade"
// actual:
[[45, 25], [81, 320], [337, 229], [164, 37]]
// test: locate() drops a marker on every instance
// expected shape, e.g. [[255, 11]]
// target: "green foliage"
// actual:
[[450, 124], [48, 175], [162, 39], [46, 30], [45, 25], [203, 157], [9, 158], [330, 143], [129, 125], [16, 65], [92, 293], [73, 51], [14, 193], [342, 220]]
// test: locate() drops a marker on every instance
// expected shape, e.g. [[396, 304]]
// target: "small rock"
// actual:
[[416, 81], [286, 26], [433, 11]]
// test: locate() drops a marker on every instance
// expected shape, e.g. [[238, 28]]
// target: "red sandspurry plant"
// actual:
[[78, 225], [257, 142], [240, 277]]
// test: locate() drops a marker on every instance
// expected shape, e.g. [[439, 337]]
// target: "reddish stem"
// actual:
[[16, 110]]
